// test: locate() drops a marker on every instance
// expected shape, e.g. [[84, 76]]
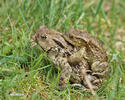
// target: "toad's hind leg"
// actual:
[[66, 71], [82, 67]]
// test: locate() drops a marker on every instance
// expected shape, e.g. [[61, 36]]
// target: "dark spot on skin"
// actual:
[[61, 79], [60, 84], [62, 60], [69, 68], [67, 74], [57, 60], [97, 57], [65, 63], [56, 56]]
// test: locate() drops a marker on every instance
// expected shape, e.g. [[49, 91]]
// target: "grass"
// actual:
[[29, 72]]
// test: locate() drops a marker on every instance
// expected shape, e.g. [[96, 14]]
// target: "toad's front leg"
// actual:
[[66, 71], [78, 56]]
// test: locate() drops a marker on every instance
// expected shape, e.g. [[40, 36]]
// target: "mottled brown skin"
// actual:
[[62, 54], [89, 48]]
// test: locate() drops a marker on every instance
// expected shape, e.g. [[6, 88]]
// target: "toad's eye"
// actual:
[[43, 36]]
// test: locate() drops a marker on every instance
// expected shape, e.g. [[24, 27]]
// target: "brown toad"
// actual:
[[59, 51]]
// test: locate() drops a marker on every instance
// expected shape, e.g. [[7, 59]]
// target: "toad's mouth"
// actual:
[[33, 43]]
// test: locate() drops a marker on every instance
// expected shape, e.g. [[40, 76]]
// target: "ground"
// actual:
[[29, 74]]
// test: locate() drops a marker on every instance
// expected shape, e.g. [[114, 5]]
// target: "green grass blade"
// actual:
[[24, 19], [98, 8]]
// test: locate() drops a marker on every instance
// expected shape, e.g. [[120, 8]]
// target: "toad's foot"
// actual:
[[65, 73]]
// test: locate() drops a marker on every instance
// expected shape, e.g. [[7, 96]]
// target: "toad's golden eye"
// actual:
[[43, 36]]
